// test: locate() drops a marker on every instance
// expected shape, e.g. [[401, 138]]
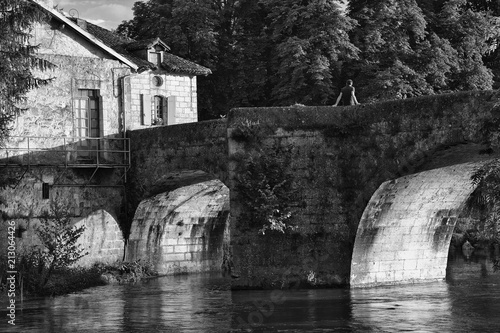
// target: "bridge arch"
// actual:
[[405, 230], [182, 226]]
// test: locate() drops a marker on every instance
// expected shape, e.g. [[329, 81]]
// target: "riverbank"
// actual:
[[73, 279]]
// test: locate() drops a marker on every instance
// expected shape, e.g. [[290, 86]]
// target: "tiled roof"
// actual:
[[173, 63], [145, 44], [124, 46]]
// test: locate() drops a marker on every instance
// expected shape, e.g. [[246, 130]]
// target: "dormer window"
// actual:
[[155, 58], [155, 54], [151, 50]]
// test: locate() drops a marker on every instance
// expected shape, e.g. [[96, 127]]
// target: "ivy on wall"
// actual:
[[263, 181]]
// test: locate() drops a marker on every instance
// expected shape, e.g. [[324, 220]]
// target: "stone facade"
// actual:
[[95, 207], [178, 93], [70, 144]]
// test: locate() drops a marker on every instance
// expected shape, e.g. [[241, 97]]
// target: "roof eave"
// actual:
[[87, 35]]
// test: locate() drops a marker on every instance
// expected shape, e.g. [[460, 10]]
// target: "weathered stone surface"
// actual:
[[182, 231], [406, 228], [165, 158], [102, 239], [97, 207], [340, 157]]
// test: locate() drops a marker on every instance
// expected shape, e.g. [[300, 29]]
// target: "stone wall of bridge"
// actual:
[[310, 172], [405, 232], [333, 160], [168, 157]]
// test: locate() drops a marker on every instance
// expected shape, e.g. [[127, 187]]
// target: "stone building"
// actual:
[[71, 143]]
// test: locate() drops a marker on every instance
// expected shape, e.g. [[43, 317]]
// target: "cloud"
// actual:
[[108, 13], [97, 22]]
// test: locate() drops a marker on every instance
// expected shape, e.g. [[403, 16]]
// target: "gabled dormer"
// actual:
[[152, 50]]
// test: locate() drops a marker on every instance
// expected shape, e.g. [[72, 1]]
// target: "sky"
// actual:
[[106, 13]]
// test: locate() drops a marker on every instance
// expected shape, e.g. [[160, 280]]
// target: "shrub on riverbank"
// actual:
[[72, 279], [128, 272], [68, 280]]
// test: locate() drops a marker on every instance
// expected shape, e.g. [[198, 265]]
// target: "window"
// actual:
[[45, 191], [157, 81], [159, 111], [87, 123], [155, 58], [86, 108]]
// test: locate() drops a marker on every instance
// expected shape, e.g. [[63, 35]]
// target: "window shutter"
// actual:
[[171, 110], [146, 109]]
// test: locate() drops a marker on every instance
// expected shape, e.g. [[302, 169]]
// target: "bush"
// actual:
[[59, 248]]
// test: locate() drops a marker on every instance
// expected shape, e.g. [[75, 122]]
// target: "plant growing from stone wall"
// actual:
[[247, 131], [266, 188]]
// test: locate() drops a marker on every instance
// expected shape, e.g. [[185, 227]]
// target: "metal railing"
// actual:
[[65, 151]]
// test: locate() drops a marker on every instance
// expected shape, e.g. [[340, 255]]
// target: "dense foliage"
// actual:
[[266, 52], [281, 52], [486, 200], [59, 247], [17, 58]]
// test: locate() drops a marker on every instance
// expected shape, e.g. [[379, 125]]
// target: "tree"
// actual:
[[60, 241], [249, 47], [470, 33], [390, 34], [17, 57], [419, 47], [486, 199], [309, 40]]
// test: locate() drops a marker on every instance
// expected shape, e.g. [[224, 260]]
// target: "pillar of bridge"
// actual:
[[405, 231]]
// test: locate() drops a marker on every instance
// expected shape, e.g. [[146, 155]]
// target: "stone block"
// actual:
[[180, 249], [195, 248], [175, 257], [172, 241], [167, 249]]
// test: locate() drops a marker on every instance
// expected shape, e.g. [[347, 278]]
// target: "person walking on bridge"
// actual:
[[347, 95]]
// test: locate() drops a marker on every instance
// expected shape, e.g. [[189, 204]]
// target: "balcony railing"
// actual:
[[74, 152]]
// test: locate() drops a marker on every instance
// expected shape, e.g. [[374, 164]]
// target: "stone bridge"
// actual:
[[366, 194]]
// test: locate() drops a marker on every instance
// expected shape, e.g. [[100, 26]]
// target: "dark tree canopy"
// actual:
[[419, 47], [281, 52], [263, 52]]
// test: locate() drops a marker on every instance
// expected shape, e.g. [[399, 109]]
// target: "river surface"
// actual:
[[468, 301]]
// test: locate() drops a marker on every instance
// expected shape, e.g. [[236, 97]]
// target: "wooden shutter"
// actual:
[[171, 102], [146, 109]]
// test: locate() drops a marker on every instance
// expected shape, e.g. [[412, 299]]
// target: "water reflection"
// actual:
[[468, 302], [410, 308]]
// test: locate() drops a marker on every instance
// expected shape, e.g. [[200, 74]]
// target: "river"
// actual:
[[468, 301]]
